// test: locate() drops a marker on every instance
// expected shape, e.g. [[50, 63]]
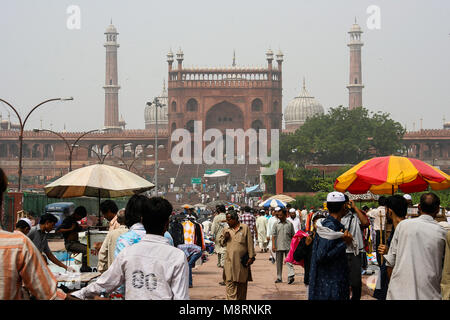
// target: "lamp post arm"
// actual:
[[132, 162], [121, 160], [84, 134], [15, 111], [59, 135], [98, 156], [96, 153], [106, 154], [34, 108], [109, 151]]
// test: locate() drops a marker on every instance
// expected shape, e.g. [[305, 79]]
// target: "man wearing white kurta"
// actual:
[[416, 254], [272, 221], [379, 224], [261, 227], [294, 219]]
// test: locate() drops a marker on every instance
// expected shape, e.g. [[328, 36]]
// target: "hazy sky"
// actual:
[[406, 63]]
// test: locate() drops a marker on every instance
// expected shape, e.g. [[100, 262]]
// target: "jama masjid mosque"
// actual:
[[222, 98]]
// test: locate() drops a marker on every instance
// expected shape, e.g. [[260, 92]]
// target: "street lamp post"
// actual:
[[69, 147], [22, 125], [157, 105]]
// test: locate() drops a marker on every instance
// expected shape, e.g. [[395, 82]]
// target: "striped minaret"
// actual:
[[355, 84], [111, 82]]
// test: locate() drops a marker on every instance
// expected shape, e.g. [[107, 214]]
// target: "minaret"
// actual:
[[355, 85], [269, 58], [234, 59], [111, 82]]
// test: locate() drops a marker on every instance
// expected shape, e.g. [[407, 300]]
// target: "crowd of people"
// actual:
[[205, 193], [150, 249]]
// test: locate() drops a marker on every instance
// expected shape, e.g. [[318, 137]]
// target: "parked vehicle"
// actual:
[[60, 210]]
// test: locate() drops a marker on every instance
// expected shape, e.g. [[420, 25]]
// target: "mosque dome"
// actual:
[[302, 107], [150, 112]]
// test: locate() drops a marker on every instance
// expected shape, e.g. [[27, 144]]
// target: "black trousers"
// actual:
[[355, 268], [77, 247]]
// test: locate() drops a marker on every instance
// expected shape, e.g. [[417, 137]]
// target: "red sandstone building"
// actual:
[[222, 98]]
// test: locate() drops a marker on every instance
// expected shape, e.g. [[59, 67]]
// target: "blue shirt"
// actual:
[[134, 235], [329, 273], [190, 249]]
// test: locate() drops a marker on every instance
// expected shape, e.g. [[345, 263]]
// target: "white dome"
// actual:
[[301, 108], [150, 114]]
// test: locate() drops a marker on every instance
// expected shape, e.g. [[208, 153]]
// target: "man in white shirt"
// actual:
[[151, 269], [415, 257], [379, 224], [272, 221], [294, 220], [207, 227]]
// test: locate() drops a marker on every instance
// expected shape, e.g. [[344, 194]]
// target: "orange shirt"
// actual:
[[21, 263]]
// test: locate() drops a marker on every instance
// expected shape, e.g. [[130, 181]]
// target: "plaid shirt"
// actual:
[[21, 263], [249, 220]]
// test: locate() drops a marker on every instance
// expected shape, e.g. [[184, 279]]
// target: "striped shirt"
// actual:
[[21, 263], [250, 220]]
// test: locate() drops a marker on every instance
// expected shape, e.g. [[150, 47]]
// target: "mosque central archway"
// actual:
[[224, 115]]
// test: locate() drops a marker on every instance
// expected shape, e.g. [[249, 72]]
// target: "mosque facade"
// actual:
[[221, 98]]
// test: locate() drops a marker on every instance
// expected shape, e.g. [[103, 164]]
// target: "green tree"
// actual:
[[387, 136], [342, 136]]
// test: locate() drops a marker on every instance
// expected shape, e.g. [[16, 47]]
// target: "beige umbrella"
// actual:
[[98, 180]]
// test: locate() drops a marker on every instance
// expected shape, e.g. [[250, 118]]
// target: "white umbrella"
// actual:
[[217, 174], [98, 180]]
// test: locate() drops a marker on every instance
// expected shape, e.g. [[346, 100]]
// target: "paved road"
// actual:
[[207, 276]]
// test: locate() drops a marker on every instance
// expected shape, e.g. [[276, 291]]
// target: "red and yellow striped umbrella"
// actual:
[[385, 175]]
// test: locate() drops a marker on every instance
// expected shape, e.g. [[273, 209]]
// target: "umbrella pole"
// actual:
[[381, 235], [99, 201]]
